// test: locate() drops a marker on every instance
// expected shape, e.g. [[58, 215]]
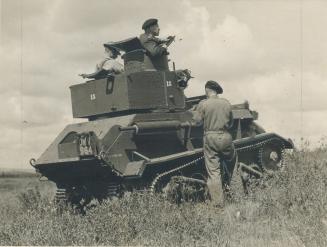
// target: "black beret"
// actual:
[[214, 86], [149, 23]]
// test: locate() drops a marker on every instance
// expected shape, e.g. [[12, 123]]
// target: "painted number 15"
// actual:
[[92, 96]]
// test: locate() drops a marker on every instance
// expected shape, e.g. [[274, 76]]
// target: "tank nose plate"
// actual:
[[100, 128], [134, 168]]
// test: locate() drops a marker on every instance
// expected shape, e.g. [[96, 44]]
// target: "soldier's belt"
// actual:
[[221, 131]]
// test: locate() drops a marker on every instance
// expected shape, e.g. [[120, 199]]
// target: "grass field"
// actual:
[[290, 210]]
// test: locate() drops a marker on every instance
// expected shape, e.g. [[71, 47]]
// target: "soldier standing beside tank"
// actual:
[[153, 45], [216, 116]]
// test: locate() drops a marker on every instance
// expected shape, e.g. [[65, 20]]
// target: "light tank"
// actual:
[[139, 135]]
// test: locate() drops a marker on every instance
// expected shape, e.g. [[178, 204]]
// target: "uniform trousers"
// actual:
[[220, 159]]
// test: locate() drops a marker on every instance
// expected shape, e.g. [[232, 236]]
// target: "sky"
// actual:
[[271, 53]]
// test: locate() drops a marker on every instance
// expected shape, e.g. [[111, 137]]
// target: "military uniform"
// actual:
[[153, 45], [218, 148], [110, 65]]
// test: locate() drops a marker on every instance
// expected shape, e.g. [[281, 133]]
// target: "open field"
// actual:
[[12, 173], [291, 210]]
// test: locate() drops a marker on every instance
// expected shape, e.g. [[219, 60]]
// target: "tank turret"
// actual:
[[145, 85]]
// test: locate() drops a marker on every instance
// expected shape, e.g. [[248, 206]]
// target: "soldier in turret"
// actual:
[[108, 65], [216, 116], [154, 45]]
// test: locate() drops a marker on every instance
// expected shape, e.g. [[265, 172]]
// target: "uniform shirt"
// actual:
[[215, 113], [111, 65], [152, 44]]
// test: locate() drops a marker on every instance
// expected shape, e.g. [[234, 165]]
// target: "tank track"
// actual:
[[61, 196], [113, 190], [160, 176], [254, 146]]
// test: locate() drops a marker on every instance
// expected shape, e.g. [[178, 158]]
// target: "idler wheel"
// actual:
[[270, 156]]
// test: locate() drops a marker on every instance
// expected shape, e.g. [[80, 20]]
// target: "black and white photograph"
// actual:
[[163, 123]]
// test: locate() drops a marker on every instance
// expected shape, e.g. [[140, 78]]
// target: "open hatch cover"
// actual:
[[126, 45]]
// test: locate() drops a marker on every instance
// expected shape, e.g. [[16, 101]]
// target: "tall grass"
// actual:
[[290, 209], [17, 174]]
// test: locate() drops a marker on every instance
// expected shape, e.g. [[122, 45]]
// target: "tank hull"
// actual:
[[138, 152]]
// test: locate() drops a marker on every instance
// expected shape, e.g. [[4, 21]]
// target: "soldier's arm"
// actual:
[[231, 119], [154, 48], [117, 67], [100, 65], [198, 114]]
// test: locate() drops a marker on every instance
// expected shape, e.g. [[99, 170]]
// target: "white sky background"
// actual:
[[262, 51]]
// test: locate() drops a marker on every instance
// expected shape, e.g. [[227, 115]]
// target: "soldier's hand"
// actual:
[[167, 40], [170, 37], [170, 40]]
